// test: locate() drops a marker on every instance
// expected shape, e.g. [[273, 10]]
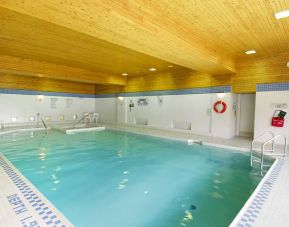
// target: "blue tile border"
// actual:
[[251, 213], [46, 93], [273, 87], [43, 210], [206, 90]]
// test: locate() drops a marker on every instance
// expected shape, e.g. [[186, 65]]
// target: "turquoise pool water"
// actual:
[[118, 179]]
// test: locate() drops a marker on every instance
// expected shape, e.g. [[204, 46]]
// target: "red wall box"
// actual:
[[277, 121]]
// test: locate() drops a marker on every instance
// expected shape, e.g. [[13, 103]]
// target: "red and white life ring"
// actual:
[[217, 108]]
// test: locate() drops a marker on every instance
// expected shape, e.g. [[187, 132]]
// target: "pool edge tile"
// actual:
[[251, 210], [29, 207]]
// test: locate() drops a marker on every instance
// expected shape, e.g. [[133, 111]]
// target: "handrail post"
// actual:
[[38, 116], [261, 163], [285, 148], [251, 154]]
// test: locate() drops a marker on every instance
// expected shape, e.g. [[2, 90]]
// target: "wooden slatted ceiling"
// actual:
[[250, 72], [31, 38], [136, 25], [27, 67], [182, 79], [204, 35], [260, 70], [43, 84]]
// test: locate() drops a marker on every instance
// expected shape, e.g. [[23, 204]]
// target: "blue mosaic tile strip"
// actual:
[[254, 209], [46, 93], [273, 87], [46, 214], [207, 90]]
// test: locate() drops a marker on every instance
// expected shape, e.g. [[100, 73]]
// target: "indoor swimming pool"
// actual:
[[120, 179]]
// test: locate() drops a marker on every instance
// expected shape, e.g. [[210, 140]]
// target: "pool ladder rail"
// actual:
[[39, 117], [269, 152]]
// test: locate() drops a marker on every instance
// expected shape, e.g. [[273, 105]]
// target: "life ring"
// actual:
[[223, 109]]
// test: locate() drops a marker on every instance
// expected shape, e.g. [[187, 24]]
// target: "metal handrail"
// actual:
[[80, 120], [38, 115], [272, 140], [255, 139]]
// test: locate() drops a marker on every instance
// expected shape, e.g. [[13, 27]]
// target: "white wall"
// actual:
[[191, 112], [22, 107], [224, 125], [266, 104], [247, 114], [174, 111], [106, 107]]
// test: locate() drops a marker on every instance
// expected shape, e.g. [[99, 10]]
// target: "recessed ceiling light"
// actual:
[[282, 14], [250, 52], [152, 69], [124, 74], [170, 66]]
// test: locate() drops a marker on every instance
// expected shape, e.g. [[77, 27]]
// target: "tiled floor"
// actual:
[[241, 142], [271, 208]]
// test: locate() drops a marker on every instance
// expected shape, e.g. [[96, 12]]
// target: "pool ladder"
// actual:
[[39, 117], [269, 152]]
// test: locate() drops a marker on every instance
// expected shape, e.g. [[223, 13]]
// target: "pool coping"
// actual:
[[249, 213], [241, 149], [22, 130]]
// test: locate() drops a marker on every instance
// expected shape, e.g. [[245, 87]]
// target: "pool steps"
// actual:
[[69, 130]]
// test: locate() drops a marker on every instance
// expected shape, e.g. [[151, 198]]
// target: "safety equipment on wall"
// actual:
[[131, 104], [278, 118], [220, 107]]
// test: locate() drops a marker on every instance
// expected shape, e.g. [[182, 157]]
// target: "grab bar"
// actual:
[[85, 115], [38, 116], [272, 140], [255, 139]]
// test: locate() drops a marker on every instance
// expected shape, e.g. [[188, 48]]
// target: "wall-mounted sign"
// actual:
[[69, 103], [53, 103], [142, 102]]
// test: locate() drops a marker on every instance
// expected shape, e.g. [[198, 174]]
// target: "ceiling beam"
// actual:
[[27, 67], [16, 82], [137, 25]]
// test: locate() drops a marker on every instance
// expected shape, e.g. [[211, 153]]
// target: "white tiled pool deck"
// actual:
[[267, 206]]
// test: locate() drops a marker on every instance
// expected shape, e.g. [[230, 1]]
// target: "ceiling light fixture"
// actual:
[[250, 52], [124, 74], [152, 69], [282, 14]]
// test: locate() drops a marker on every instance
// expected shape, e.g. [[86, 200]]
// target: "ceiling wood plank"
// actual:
[[28, 37], [136, 25], [272, 69], [43, 84], [27, 67]]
